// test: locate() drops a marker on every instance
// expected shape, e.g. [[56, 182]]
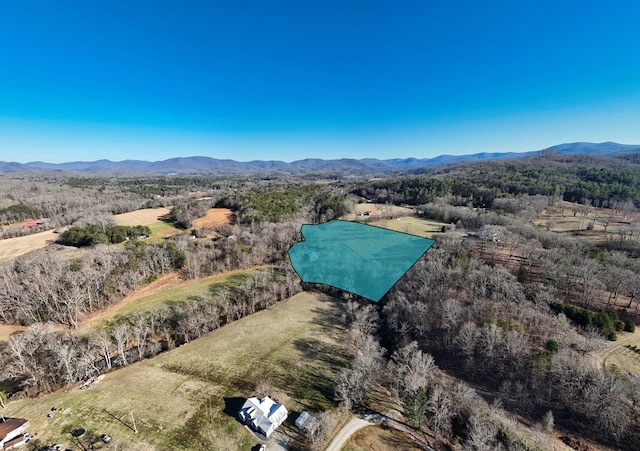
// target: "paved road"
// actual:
[[356, 423]]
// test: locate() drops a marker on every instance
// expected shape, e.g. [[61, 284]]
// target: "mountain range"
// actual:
[[191, 165]]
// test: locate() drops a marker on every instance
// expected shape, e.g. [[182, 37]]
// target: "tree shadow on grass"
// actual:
[[315, 384], [330, 317]]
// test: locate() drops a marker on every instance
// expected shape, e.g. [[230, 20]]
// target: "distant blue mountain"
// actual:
[[191, 165]]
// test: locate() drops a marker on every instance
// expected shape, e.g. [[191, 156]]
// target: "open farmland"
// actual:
[[149, 217], [186, 398], [14, 247], [371, 210], [146, 216], [415, 226]]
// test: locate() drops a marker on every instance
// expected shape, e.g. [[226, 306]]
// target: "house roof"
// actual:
[[264, 414], [9, 425]]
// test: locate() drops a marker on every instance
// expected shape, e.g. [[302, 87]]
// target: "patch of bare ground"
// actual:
[[6, 331], [213, 218]]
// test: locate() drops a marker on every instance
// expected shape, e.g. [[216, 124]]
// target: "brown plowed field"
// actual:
[[214, 217]]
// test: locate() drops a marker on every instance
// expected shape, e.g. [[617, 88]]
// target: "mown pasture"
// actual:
[[187, 398], [14, 247], [426, 228]]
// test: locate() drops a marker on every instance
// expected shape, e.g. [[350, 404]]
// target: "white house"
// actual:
[[263, 415], [12, 432]]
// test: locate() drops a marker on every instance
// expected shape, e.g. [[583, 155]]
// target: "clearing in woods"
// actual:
[[213, 218], [144, 217], [151, 217], [624, 353], [168, 289], [188, 398], [370, 210], [587, 220], [6, 330], [415, 226]]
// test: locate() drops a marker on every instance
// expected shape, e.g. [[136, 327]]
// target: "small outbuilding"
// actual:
[[305, 420], [263, 415]]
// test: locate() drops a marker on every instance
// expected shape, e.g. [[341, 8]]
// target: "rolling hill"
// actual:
[[200, 164]]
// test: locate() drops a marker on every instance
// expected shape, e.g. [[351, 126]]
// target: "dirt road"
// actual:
[[353, 425]]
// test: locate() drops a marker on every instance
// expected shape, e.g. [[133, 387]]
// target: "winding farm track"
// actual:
[[351, 427], [362, 421], [602, 357]]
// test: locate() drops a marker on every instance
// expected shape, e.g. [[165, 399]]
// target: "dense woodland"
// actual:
[[478, 330]]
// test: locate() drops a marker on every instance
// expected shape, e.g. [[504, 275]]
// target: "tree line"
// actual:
[[44, 359]]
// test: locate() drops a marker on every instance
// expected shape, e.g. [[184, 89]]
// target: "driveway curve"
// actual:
[[356, 423]]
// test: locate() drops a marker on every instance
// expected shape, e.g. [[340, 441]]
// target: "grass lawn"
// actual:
[[618, 353], [161, 230], [187, 398], [380, 439]]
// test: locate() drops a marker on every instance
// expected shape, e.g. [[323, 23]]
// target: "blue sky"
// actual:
[[285, 80]]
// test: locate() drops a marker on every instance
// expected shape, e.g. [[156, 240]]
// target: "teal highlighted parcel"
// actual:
[[357, 258]]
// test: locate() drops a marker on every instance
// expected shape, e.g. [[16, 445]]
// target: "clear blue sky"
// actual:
[[85, 80]]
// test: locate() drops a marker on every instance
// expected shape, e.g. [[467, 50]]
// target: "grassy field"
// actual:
[[14, 247], [187, 398], [149, 217], [618, 353], [415, 226], [161, 230], [146, 216], [378, 210], [167, 290]]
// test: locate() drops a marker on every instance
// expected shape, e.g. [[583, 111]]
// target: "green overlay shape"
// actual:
[[358, 258]]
